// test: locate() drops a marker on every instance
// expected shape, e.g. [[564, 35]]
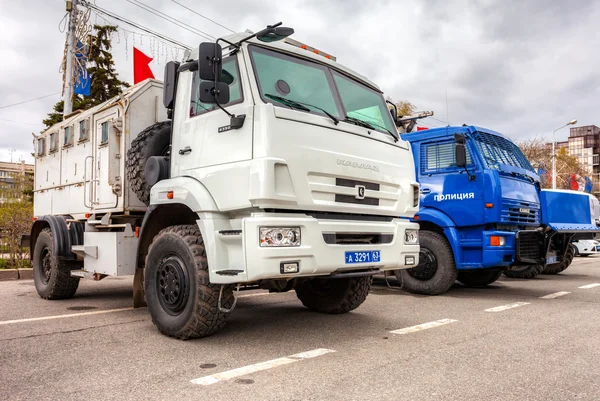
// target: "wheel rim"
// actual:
[[45, 265], [427, 266], [172, 284]]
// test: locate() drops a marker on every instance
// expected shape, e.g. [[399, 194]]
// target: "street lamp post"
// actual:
[[572, 122]]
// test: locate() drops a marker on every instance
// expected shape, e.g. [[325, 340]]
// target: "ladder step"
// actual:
[[112, 226], [78, 273]]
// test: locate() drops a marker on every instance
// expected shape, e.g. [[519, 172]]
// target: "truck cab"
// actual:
[[277, 167], [483, 211]]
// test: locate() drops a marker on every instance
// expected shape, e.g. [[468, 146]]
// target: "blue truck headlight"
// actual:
[[279, 236], [411, 237]]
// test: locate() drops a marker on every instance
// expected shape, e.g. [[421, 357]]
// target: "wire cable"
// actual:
[[200, 15], [172, 20], [136, 25], [30, 100]]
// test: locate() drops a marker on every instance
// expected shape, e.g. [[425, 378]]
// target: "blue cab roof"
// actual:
[[449, 131]]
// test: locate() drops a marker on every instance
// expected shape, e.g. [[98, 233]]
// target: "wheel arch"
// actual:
[[440, 223], [63, 237]]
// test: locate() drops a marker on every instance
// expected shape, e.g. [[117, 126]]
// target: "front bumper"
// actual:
[[481, 255], [318, 254]]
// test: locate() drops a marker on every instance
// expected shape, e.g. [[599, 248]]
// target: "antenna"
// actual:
[[447, 114]]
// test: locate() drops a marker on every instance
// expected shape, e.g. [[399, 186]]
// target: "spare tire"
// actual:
[[153, 141]]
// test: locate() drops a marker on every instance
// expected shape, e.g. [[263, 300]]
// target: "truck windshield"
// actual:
[[318, 88], [496, 150]]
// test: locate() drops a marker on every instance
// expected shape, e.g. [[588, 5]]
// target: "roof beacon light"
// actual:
[[293, 42]]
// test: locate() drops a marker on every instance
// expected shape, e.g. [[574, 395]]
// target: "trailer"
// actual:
[[254, 168]]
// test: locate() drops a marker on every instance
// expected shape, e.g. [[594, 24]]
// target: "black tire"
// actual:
[[479, 278], [153, 141], [575, 251], [525, 271], [556, 268], [51, 276], [334, 296], [181, 300], [436, 271]]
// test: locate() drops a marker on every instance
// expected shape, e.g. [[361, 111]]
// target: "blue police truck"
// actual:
[[483, 212]]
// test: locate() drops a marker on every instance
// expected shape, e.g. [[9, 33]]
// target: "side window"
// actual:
[[53, 142], [104, 138], [68, 136], [230, 70], [83, 130], [439, 157], [41, 150]]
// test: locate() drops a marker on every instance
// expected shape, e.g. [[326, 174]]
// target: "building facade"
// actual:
[[584, 144], [14, 178]]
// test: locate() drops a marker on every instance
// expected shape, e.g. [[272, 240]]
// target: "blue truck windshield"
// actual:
[[496, 150]]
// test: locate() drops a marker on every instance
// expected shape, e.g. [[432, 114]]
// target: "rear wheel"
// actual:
[[479, 278], [436, 271], [556, 268], [182, 302], [525, 271], [52, 277], [334, 296]]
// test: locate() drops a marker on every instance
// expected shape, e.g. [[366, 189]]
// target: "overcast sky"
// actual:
[[523, 68]]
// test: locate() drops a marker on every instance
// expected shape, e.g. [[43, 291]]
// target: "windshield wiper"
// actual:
[[365, 124], [301, 106]]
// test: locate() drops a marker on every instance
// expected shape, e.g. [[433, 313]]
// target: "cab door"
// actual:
[[201, 135]]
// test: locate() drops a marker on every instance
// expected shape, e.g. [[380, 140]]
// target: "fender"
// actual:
[[186, 191], [63, 237], [447, 225]]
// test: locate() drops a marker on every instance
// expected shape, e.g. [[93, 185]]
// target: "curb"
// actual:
[[9, 274], [15, 274]]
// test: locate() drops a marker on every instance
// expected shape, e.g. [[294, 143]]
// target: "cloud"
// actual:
[[521, 68]]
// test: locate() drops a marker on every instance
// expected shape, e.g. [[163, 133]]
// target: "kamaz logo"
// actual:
[[364, 166], [361, 192]]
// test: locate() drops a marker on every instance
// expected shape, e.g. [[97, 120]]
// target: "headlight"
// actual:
[[411, 237], [279, 236]]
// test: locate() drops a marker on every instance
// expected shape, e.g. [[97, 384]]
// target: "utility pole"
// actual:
[[69, 78]]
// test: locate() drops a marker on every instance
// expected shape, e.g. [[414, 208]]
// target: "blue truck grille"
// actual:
[[520, 212]]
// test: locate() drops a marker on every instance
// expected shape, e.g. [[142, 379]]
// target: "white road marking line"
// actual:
[[257, 367], [35, 319], [586, 287], [505, 307], [555, 295], [423, 326]]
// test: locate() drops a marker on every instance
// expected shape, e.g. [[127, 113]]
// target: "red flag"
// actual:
[[421, 128], [141, 69], [573, 182]]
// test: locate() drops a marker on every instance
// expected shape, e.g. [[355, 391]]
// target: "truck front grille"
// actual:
[[528, 246], [520, 212], [357, 238]]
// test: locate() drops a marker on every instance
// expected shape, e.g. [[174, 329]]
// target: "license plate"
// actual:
[[551, 260], [363, 257]]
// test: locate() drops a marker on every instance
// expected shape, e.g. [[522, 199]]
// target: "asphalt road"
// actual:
[[503, 342]]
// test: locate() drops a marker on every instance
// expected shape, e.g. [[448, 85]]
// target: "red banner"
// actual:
[[141, 69]]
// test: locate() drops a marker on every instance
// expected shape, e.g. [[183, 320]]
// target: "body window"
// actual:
[[230, 66], [68, 135], [53, 142], [83, 130], [41, 146], [294, 79], [363, 103], [104, 132], [440, 156]]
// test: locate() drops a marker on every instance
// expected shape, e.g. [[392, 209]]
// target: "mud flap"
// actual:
[[139, 298]]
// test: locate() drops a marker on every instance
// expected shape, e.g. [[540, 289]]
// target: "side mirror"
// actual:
[[210, 64], [460, 150], [170, 84], [211, 93]]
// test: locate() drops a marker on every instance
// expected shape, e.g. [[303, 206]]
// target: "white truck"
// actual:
[[266, 164]]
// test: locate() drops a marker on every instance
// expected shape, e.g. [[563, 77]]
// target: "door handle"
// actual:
[[425, 191], [185, 150]]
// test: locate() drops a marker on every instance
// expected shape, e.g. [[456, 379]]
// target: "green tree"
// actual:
[[15, 220], [105, 80]]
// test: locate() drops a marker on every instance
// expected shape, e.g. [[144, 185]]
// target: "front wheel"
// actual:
[[334, 296], [525, 271], [181, 300], [563, 264], [436, 271], [479, 278]]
